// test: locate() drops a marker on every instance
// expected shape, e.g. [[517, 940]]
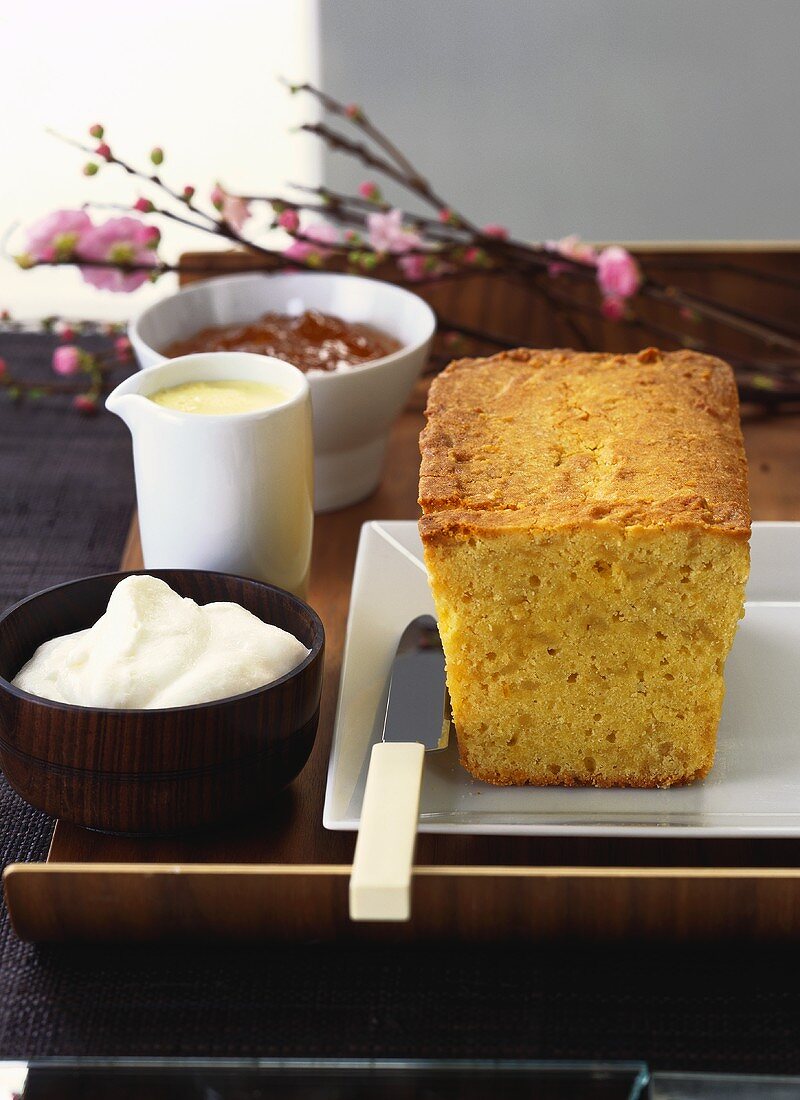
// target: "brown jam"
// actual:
[[311, 341]]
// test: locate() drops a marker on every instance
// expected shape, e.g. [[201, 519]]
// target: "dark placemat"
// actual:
[[65, 498]]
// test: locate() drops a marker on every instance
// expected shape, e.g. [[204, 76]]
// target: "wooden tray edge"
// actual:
[[301, 903]]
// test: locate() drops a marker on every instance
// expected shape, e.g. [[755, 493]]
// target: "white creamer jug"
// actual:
[[230, 493]]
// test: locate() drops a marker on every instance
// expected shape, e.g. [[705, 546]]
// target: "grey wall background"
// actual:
[[615, 119]]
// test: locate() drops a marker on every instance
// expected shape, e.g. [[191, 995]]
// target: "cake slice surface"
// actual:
[[585, 527]]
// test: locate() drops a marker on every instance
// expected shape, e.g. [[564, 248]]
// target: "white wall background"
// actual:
[[198, 78], [615, 119]]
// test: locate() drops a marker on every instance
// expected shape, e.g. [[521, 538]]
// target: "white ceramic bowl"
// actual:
[[352, 410]]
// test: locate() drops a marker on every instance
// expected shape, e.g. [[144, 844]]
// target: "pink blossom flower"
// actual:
[[613, 308], [318, 233], [495, 230], [234, 209], [122, 241], [289, 220], [618, 273], [387, 233], [57, 236], [66, 359]]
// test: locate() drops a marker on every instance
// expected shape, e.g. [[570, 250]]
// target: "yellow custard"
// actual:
[[219, 398]]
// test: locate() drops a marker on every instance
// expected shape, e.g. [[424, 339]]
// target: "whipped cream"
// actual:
[[154, 648]]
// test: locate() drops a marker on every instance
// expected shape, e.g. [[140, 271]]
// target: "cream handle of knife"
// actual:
[[380, 881]]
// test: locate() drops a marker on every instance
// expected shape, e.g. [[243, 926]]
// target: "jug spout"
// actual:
[[128, 406]]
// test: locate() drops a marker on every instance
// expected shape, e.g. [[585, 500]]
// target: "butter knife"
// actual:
[[417, 721]]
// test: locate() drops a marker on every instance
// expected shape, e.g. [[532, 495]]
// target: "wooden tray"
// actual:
[[286, 877]]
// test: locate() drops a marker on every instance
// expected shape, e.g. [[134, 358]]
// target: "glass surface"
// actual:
[[753, 789], [221, 1079], [361, 1079], [707, 1086]]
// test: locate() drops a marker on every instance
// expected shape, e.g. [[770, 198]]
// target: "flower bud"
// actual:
[[3, 367], [157, 155], [103, 151], [494, 230], [188, 193], [91, 169], [85, 404], [97, 131], [144, 206], [369, 190], [122, 346]]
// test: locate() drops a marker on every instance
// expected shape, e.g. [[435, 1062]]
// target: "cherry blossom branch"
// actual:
[[219, 228], [85, 376], [405, 174], [363, 232], [789, 372], [103, 151], [714, 311], [355, 114], [216, 226]]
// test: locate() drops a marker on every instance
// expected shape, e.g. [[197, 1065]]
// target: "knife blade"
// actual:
[[417, 721]]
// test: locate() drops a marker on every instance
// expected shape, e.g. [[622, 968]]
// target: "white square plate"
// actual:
[[752, 790]]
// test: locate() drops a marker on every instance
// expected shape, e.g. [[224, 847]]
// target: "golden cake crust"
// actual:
[[538, 440]]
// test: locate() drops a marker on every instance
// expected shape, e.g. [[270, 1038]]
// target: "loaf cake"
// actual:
[[585, 528]]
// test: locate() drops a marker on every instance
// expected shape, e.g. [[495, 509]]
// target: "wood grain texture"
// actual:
[[150, 771], [144, 902], [469, 887]]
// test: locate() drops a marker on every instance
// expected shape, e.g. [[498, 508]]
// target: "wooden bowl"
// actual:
[[159, 770]]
